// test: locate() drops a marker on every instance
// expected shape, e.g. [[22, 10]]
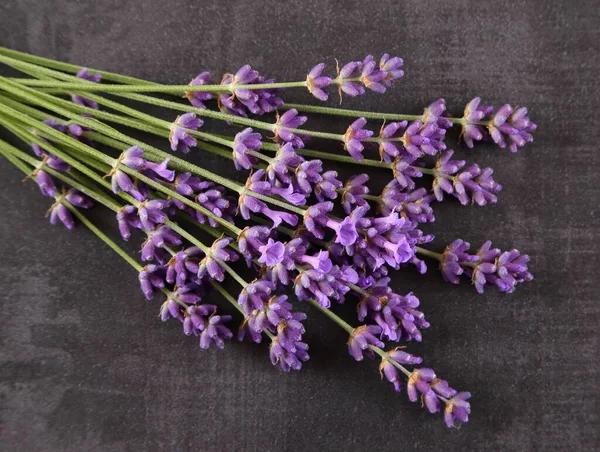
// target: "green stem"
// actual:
[[370, 114], [155, 88], [428, 253], [337, 319], [66, 67]]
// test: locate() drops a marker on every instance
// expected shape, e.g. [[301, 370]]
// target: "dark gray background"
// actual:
[[85, 363]]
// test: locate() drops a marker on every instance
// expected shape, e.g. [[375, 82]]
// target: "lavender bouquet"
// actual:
[[294, 232]]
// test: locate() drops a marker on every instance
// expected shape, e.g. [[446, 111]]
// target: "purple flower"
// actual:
[[457, 409], [324, 286], [170, 309], [85, 75], [257, 101], [389, 146], [283, 164], [328, 186], [361, 338], [466, 183], [245, 141], [153, 247], [420, 382], [391, 68], [404, 173], [315, 82], [128, 218], [152, 278], [276, 310], [212, 198], [255, 295], [45, 182], [183, 266], [217, 254], [348, 79], [442, 388], [453, 256], [436, 114], [252, 240], [293, 252], [485, 267], [132, 158], [474, 113], [186, 185], [353, 192], [248, 203], [414, 206], [152, 212], [354, 136], [215, 332], [289, 120], [59, 212], [320, 262], [391, 372], [197, 98], [395, 314], [308, 174], [287, 359], [272, 253], [511, 128], [179, 137], [422, 139], [371, 76], [78, 199], [511, 269]]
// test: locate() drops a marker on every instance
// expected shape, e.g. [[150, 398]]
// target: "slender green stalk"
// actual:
[[66, 67], [428, 253], [146, 88], [370, 114]]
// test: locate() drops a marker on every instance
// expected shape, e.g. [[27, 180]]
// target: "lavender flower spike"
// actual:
[[315, 82], [245, 141], [354, 136], [272, 253], [474, 113], [178, 136], [511, 128], [391, 68], [211, 264], [85, 75], [420, 382], [197, 98], [45, 182], [289, 120], [59, 212], [361, 338], [391, 372], [457, 409]]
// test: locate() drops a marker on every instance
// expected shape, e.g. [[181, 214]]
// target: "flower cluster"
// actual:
[[487, 267], [355, 76], [239, 101]]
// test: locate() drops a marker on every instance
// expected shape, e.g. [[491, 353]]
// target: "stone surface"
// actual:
[[86, 365]]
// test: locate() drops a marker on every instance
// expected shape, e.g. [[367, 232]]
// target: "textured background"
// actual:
[[85, 364]]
